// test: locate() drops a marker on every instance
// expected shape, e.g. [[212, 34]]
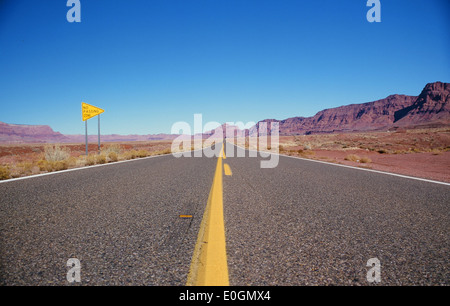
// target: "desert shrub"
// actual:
[[382, 151], [129, 154], [161, 152], [59, 165], [25, 167], [352, 157], [45, 165], [49, 166], [112, 148], [436, 152], [4, 173], [90, 160], [80, 161], [72, 162], [142, 153], [100, 159], [113, 156], [54, 153], [365, 160]]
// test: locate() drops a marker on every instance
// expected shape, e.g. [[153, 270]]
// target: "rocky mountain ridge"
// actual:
[[431, 108]]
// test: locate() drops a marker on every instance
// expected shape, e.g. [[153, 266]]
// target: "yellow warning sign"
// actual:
[[88, 111]]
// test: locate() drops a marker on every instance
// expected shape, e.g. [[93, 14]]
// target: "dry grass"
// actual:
[[365, 160], [4, 173], [90, 159], [162, 152], [128, 155], [49, 166], [356, 158], [60, 165], [100, 159], [403, 141], [353, 158], [113, 157], [53, 153], [437, 152], [26, 167], [142, 153], [111, 148]]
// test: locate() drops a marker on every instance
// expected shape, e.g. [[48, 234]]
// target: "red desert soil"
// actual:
[[17, 156], [423, 153], [423, 165]]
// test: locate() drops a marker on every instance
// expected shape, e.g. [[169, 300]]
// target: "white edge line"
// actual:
[[83, 168], [351, 167], [295, 157], [79, 168]]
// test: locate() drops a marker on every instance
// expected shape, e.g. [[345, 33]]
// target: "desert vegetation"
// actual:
[[356, 158], [17, 160], [434, 141], [395, 142], [415, 152]]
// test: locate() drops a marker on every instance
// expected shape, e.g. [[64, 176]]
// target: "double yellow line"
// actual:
[[209, 262]]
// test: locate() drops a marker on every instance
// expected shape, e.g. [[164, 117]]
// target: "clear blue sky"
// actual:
[[150, 63]]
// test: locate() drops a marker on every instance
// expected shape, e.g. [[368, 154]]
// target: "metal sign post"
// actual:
[[98, 134], [86, 138], [88, 111]]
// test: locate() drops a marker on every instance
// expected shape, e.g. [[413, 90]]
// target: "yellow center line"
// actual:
[[209, 262], [227, 169]]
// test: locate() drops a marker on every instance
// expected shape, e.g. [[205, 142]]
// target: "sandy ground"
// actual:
[[434, 166], [23, 159], [423, 153], [27, 152]]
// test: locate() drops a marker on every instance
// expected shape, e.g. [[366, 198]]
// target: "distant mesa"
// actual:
[[432, 106], [430, 109], [19, 133]]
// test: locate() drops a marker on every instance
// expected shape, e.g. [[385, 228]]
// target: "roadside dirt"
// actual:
[[419, 153], [17, 160], [435, 166]]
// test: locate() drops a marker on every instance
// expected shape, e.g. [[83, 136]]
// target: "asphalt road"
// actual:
[[309, 223], [301, 223], [121, 221]]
